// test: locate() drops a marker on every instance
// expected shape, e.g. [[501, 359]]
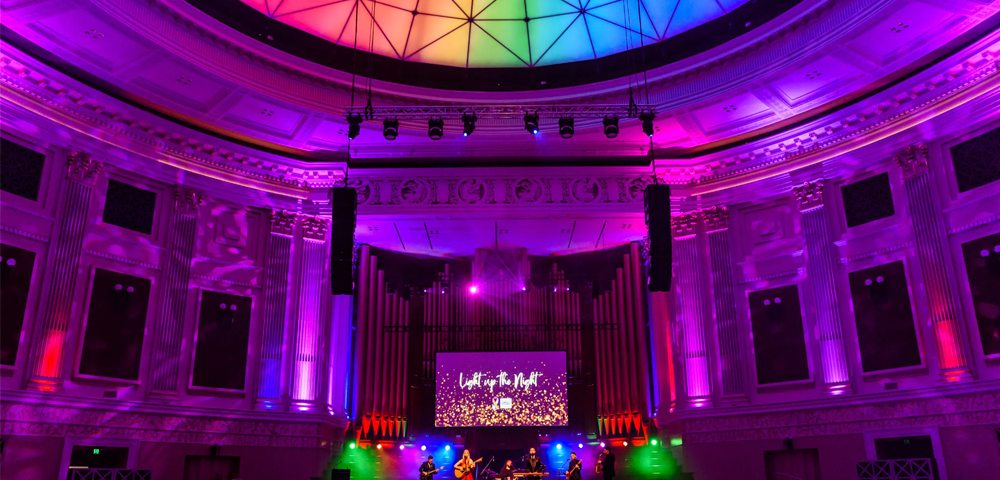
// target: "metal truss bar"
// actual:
[[506, 111]]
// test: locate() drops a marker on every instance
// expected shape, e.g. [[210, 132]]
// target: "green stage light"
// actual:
[[675, 442], [353, 445], [654, 442]]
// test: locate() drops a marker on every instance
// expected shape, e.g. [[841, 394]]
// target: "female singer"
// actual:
[[507, 472], [465, 464]]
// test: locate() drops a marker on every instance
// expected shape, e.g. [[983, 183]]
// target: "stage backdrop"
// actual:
[[501, 389]]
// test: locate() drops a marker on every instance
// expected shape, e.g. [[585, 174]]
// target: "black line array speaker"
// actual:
[[656, 201], [344, 219]]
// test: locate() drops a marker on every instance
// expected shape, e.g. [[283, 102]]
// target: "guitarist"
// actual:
[[465, 467], [427, 469], [574, 467]]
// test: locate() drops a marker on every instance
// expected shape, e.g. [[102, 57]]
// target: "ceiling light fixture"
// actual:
[[647, 122], [566, 129], [611, 126], [435, 128], [390, 128], [468, 123], [531, 122], [353, 125]]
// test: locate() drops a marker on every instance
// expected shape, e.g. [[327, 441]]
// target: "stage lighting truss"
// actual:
[[507, 112]]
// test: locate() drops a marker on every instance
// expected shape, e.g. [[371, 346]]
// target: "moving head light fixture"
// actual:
[[435, 128], [468, 123], [390, 128], [611, 126], [353, 125], [531, 122], [566, 127]]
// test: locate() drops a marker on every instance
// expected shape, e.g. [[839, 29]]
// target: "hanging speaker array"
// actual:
[[656, 202], [344, 218]]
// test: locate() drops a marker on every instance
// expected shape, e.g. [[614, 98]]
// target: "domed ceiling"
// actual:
[[494, 33]]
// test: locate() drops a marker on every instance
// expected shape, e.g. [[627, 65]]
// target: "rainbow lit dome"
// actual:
[[495, 33]]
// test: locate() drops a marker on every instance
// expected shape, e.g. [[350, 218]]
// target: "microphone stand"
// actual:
[[565, 465], [487, 464]]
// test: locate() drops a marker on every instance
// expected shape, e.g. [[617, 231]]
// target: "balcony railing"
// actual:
[[107, 474], [911, 469]]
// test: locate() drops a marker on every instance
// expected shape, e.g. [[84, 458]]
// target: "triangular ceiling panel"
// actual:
[[544, 32], [447, 51], [427, 29], [408, 26], [279, 8], [334, 19], [500, 10], [691, 13], [499, 44], [444, 8], [573, 45]]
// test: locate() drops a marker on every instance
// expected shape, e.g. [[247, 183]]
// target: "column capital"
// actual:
[[282, 222], [314, 228], [684, 225], [187, 200], [716, 218], [809, 195], [912, 160], [82, 168]]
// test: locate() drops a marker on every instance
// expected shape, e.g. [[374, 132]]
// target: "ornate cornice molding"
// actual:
[[187, 201], [809, 195], [716, 218], [82, 168], [314, 228], [912, 160]]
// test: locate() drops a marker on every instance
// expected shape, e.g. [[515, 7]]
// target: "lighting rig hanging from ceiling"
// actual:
[[531, 114]]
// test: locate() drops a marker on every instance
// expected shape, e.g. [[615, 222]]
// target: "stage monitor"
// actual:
[[501, 389]]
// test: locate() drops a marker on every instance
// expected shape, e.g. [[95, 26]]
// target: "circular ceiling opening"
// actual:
[[494, 44]]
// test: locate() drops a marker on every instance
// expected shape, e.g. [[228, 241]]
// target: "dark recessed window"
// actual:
[[867, 200], [20, 170], [977, 161], [887, 336], [982, 263], [779, 342], [129, 207]]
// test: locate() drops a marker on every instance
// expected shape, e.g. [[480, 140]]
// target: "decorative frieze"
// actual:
[[809, 195], [81, 167], [912, 160], [499, 191], [314, 228], [282, 222]]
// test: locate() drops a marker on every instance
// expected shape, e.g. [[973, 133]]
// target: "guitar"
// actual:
[[575, 468], [461, 472], [599, 466], [427, 475]]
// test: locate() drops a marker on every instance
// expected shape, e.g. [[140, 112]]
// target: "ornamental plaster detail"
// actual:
[[499, 191], [71, 421]]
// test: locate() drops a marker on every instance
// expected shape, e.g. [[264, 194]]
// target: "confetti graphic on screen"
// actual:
[[501, 389]]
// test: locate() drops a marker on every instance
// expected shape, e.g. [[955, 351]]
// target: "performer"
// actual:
[[507, 472], [533, 464], [427, 469], [574, 468], [608, 464], [465, 468]]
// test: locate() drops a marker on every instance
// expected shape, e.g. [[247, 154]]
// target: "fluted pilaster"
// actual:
[[276, 285], [690, 289], [821, 267], [176, 278], [724, 290], [50, 349], [928, 230]]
